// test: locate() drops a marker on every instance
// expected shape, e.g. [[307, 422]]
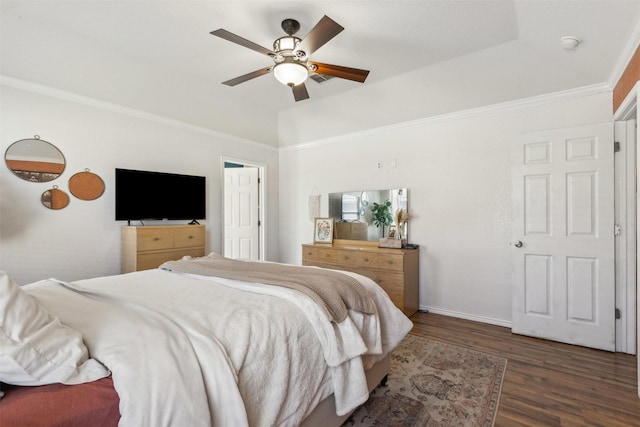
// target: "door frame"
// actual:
[[262, 206], [627, 297], [626, 230]]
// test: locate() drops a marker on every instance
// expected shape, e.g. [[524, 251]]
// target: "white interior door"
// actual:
[[241, 216], [563, 239]]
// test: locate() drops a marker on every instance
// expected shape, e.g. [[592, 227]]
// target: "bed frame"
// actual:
[[324, 415], [101, 398]]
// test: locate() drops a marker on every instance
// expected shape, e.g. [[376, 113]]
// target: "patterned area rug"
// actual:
[[435, 384]]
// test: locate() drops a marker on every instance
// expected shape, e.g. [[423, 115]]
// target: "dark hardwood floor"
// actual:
[[547, 383]]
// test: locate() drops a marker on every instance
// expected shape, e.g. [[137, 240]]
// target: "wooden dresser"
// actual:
[[146, 247], [395, 270]]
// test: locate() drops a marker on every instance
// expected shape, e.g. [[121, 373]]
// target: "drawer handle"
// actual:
[[155, 239], [190, 237], [366, 260]]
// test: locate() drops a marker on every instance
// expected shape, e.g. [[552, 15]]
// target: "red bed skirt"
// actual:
[[91, 404]]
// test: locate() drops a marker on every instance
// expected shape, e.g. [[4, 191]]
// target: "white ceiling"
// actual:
[[158, 56]]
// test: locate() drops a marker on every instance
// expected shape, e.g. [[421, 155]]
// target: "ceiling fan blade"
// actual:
[[324, 30], [348, 73], [300, 92], [224, 34], [248, 76]]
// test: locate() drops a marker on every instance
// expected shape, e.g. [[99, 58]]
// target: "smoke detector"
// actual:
[[569, 42]]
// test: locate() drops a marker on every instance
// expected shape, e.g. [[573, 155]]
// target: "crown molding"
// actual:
[[459, 115], [131, 112], [465, 114]]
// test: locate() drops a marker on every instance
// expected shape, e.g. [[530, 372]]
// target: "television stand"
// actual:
[[146, 247]]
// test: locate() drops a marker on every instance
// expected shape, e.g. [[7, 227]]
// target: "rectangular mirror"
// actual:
[[354, 217]]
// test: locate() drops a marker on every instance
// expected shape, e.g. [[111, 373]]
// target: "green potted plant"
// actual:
[[382, 214]]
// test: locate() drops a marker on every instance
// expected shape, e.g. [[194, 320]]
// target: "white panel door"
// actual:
[[241, 216], [563, 236]]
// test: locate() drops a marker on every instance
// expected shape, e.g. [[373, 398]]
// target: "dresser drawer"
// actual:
[[392, 283], [309, 253], [347, 258], [391, 262], [367, 260], [327, 255], [188, 237], [151, 260], [154, 238]]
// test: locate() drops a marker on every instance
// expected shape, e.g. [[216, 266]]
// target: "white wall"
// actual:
[[458, 172], [83, 240]]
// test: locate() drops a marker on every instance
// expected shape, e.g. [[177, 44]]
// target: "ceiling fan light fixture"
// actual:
[[287, 44], [290, 56], [290, 73]]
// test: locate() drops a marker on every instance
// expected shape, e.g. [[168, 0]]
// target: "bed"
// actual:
[[199, 342]]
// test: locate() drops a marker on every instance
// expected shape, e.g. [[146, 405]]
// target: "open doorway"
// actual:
[[243, 221]]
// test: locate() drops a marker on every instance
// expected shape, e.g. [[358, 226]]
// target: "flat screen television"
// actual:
[[146, 195]]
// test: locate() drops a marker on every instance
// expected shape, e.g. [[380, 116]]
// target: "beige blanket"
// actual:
[[335, 292]]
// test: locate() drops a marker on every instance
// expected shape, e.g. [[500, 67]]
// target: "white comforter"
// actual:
[[188, 350]]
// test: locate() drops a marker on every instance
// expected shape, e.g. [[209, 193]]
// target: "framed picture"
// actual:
[[323, 230], [392, 232]]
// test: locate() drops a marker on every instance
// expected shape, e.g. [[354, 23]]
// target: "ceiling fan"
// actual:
[[291, 54]]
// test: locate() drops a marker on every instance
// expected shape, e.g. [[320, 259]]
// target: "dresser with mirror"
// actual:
[[355, 246]]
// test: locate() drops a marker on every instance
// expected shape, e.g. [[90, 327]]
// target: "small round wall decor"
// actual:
[[55, 198], [86, 185]]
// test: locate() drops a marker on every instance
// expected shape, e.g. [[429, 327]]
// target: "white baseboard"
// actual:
[[466, 316]]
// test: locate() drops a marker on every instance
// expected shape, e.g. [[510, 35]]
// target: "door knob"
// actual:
[[518, 244]]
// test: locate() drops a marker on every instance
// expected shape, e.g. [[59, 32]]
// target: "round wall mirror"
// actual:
[[86, 185], [55, 198], [35, 160]]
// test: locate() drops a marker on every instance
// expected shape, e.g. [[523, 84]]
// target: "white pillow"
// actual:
[[35, 348]]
